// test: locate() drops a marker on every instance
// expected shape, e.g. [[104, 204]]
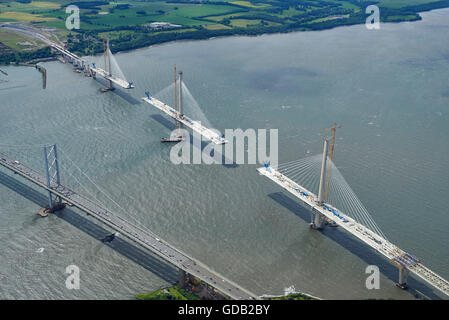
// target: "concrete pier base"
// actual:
[[317, 221], [181, 278], [403, 275]]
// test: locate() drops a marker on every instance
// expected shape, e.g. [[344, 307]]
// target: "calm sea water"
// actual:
[[389, 89]]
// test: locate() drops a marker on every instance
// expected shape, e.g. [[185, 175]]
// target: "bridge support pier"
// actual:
[[317, 221], [403, 275], [181, 278]]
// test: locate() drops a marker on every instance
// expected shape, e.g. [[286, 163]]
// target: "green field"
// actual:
[[232, 15], [217, 27], [403, 3], [23, 16], [243, 22], [13, 40], [171, 293], [249, 4]]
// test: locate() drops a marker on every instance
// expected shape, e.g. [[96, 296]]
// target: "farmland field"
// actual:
[[17, 41], [128, 24], [23, 16]]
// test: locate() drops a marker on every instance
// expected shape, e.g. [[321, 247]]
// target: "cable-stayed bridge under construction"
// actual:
[[352, 216]]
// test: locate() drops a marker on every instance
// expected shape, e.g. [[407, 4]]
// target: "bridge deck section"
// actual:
[[192, 124]]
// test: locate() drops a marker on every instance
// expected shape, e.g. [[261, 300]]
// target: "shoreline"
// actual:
[[300, 29], [262, 34]]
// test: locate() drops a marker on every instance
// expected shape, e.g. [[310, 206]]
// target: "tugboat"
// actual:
[[176, 139], [107, 89], [43, 212], [110, 237]]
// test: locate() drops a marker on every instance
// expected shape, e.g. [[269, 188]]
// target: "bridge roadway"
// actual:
[[372, 239], [192, 124], [144, 238], [33, 33], [122, 83]]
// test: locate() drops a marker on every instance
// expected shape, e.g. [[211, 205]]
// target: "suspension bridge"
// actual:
[[344, 209], [59, 195]]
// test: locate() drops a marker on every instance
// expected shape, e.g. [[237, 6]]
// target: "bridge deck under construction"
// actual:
[[120, 82], [192, 124], [144, 238], [378, 243]]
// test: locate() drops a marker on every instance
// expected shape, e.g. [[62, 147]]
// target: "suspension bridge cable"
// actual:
[[104, 193], [41, 145], [89, 193]]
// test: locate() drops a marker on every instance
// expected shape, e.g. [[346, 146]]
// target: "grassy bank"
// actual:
[[292, 296], [170, 293]]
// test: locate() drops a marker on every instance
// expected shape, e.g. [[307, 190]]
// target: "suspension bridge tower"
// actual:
[[53, 178]]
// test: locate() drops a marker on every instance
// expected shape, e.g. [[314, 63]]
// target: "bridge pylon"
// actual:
[[52, 174], [107, 65], [317, 217]]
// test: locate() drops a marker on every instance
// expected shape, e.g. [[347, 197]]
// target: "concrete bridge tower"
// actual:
[[317, 219]]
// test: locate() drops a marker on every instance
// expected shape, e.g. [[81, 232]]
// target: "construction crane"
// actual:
[[180, 97], [333, 129]]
